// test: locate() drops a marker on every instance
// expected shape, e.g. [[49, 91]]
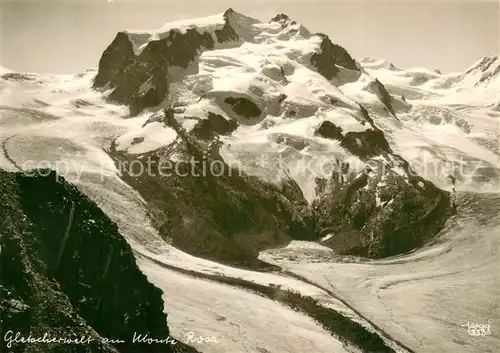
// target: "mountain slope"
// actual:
[[352, 155], [63, 266]]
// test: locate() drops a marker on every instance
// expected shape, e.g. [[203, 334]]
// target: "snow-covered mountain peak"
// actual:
[[377, 63], [485, 64], [228, 52], [484, 72], [235, 25]]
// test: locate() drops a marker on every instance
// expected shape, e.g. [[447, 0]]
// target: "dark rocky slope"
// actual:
[[385, 210], [225, 215], [219, 213], [329, 56], [66, 271], [214, 125]]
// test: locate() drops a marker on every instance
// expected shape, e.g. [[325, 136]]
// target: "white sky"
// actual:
[[68, 36]]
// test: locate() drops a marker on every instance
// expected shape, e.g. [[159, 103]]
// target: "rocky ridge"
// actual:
[[383, 211], [64, 268]]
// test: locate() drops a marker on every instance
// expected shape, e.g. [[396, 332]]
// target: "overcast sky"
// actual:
[[68, 36]]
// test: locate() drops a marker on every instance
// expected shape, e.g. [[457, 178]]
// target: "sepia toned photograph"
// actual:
[[208, 176]]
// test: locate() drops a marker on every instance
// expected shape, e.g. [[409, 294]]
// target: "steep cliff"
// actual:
[[385, 210], [329, 56], [142, 81], [67, 272]]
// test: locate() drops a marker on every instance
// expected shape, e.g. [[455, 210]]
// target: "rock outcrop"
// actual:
[[227, 33], [281, 17], [142, 81], [386, 209], [209, 209], [379, 89], [214, 125], [364, 144], [331, 55], [67, 272], [243, 107]]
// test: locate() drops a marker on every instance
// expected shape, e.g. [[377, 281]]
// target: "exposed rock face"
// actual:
[[379, 89], [484, 64], [364, 144], [383, 211], [119, 52], [215, 124], [331, 55], [329, 130], [227, 33], [141, 81], [382, 215], [243, 107], [280, 18], [214, 211], [66, 271]]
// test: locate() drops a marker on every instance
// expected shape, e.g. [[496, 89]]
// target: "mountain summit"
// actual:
[[141, 66]]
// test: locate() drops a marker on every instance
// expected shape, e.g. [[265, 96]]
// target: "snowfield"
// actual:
[[427, 297], [444, 124], [236, 317]]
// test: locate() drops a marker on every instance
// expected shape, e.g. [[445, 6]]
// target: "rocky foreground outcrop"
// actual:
[[140, 77], [65, 271]]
